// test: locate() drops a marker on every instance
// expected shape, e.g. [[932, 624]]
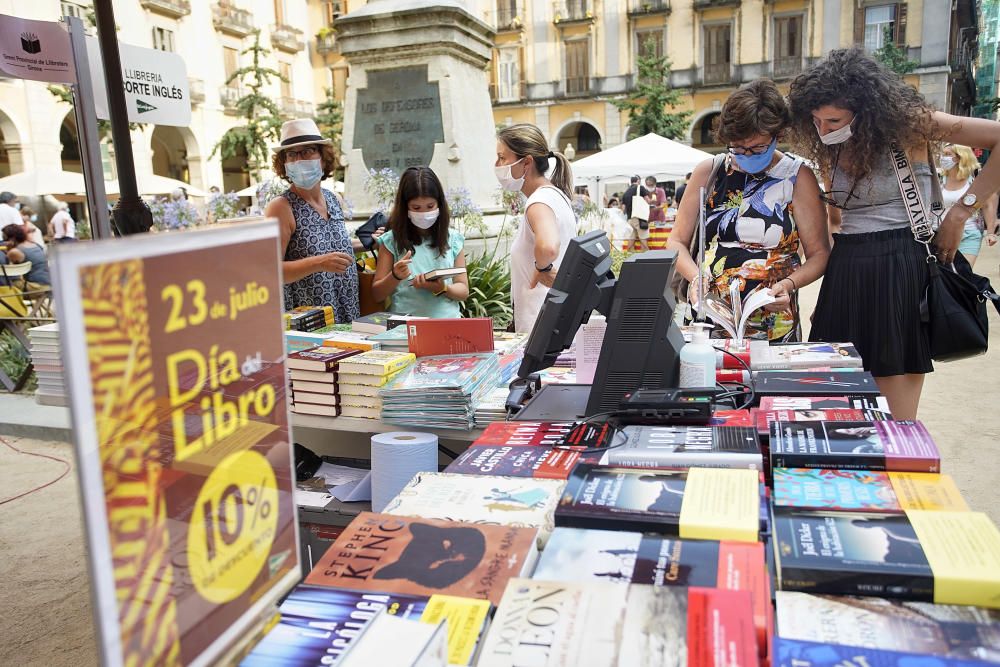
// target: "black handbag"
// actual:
[[953, 308], [372, 225]]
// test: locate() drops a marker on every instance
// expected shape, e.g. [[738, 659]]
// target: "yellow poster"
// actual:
[[175, 363], [963, 549], [721, 504]]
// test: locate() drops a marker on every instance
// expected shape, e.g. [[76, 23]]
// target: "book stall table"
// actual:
[[372, 426]]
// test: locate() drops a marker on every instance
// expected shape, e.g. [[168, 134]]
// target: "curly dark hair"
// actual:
[[326, 154], [886, 110], [756, 108]]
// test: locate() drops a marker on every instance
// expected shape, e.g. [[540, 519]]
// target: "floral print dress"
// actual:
[[751, 237]]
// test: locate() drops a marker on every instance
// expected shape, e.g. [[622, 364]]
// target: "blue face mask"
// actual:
[[304, 173], [754, 164]]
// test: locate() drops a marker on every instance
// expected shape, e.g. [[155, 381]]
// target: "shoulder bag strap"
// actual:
[[920, 221]]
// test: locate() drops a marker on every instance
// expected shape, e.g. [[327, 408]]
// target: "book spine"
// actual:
[[690, 460], [635, 522], [828, 460], [849, 581]]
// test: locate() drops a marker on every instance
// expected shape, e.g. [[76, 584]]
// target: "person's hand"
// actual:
[[401, 269], [377, 233], [547, 278], [991, 239], [949, 234], [782, 297], [335, 262], [692, 294], [420, 282]]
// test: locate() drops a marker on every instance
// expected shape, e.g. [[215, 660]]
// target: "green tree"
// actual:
[[263, 119], [649, 103], [893, 56], [330, 119]]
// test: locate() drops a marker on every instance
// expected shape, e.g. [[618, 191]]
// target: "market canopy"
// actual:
[[39, 182], [649, 155], [152, 184]]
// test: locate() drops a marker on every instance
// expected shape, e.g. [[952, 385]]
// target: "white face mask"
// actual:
[[947, 162], [424, 220], [837, 136], [506, 178]]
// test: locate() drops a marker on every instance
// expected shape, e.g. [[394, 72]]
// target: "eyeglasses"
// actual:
[[306, 153], [759, 149]]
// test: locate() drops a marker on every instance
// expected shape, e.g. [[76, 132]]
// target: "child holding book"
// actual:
[[418, 241]]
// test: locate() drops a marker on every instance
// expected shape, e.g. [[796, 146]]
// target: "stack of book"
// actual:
[[493, 407], [440, 391], [46, 357], [313, 372], [363, 376], [308, 318], [392, 340], [374, 323]]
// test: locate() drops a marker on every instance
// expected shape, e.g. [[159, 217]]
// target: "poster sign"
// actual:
[[156, 84], [175, 364], [35, 50]]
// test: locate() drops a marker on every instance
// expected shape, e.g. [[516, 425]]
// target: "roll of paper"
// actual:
[[396, 458]]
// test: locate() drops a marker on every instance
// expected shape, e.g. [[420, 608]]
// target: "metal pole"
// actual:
[[86, 129], [131, 215]]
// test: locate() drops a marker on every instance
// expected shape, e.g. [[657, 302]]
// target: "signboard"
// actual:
[[397, 120], [175, 364], [35, 50], [156, 84]]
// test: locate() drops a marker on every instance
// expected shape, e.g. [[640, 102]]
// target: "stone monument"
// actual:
[[418, 94]]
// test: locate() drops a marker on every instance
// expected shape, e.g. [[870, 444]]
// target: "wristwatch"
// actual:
[[545, 269], [972, 201]]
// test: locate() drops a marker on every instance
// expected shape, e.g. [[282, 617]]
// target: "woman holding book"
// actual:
[[847, 113], [523, 160], [419, 244], [761, 208]]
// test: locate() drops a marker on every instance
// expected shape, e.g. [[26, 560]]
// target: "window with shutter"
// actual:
[[577, 66], [231, 61], [787, 45], [508, 75], [717, 54], [880, 21]]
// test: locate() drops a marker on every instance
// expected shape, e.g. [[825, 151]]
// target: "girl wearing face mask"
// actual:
[[523, 160], [419, 240], [848, 111], [318, 267], [958, 165], [761, 208]]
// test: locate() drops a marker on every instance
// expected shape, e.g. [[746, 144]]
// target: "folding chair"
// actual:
[[22, 305]]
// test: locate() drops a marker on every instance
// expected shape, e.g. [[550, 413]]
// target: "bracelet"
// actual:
[[795, 287], [545, 269], [444, 290], [393, 272]]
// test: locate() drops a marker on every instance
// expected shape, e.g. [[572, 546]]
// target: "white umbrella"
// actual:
[[251, 191], [39, 182], [151, 184]]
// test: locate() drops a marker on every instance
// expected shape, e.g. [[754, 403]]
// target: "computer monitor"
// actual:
[[584, 279]]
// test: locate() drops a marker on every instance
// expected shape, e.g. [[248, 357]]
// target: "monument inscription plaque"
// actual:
[[398, 119]]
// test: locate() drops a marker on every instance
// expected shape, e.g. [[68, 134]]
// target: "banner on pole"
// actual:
[[35, 50], [156, 84], [175, 365]]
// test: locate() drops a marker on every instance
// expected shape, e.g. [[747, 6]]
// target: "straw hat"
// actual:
[[299, 132]]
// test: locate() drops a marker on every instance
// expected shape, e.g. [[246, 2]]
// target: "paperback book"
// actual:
[[373, 323], [320, 359], [426, 557], [515, 461], [865, 490], [794, 653], [807, 383], [699, 503], [874, 404], [351, 340], [766, 418], [687, 446], [765, 356], [459, 335], [732, 314], [377, 363], [898, 446], [515, 433]]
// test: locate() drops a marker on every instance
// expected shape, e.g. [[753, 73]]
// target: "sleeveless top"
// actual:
[[528, 301], [874, 203], [315, 236], [412, 301], [750, 236]]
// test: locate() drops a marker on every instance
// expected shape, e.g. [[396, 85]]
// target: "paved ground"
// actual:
[[44, 604]]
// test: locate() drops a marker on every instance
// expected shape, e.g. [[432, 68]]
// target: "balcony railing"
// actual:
[[789, 66], [577, 85], [287, 38], [572, 11], [643, 7], [326, 43], [172, 8], [232, 20], [229, 96], [294, 108], [718, 74], [516, 95], [196, 87], [509, 19], [712, 4]]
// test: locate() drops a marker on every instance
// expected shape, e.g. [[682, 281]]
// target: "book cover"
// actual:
[[460, 335], [390, 640], [349, 380], [899, 446], [687, 446], [876, 404], [373, 323], [945, 631], [391, 336], [849, 553], [437, 274], [699, 503], [731, 418], [377, 363], [397, 321], [453, 371], [507, 501], [833, 383], [765, 356], [351, 340], [515, 461], [318, 358], [766, 417], [525, 433], [426, 557], [794, 653], [865, 490], [620, 557]]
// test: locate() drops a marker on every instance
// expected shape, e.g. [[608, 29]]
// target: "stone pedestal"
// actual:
[[418, 94]]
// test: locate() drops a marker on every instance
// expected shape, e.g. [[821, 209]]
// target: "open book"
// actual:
[[733, 318]]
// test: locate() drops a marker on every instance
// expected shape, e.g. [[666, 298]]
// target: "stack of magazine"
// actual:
[[441, 391]]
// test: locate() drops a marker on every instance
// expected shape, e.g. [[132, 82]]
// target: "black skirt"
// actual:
[[871, 297]]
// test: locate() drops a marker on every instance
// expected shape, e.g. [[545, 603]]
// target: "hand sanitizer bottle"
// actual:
[[698, 360]]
